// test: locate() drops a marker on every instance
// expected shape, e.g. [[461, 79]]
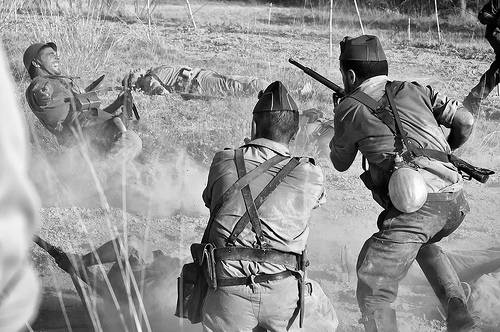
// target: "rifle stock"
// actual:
[[320, 78]]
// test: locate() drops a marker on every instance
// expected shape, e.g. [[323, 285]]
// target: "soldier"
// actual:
[[489, 16], [364, 121], [57, 103], [176, 79], [258, 266]]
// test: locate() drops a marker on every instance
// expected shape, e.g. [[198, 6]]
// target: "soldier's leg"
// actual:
[[126, 147], [232, 308], [279, 304], [381, 266], [486, 84]]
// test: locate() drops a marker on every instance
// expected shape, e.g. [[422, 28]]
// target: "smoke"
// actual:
[[159, 188]]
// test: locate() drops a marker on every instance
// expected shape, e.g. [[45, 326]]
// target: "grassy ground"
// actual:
[[164, 186]]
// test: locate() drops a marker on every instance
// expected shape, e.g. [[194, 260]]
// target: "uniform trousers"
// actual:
[[387, 255]]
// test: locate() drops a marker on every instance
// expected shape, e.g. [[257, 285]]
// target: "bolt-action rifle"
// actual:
[[320, 78], [128, 100]]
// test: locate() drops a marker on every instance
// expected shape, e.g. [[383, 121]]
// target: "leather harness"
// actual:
[[262, 253], [390, 117]]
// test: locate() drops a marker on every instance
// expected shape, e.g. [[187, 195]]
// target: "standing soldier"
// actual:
[[409, 128], [60, 107], [258, 254], [489, 15]]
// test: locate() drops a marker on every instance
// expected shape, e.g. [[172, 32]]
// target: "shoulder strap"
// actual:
[[248, 199], [153, 75], [237, 186], [401, 133], [268, 189], [376, 108]]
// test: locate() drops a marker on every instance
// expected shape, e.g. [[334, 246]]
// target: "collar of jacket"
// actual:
[[270, 144]]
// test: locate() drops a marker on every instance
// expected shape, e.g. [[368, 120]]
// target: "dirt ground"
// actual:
[[162, 195]]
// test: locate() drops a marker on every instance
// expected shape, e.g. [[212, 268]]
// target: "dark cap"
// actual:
[[362, 48], [275, 98], [32, 51]]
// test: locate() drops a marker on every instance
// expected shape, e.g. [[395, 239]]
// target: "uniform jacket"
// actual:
[[421, 109], [284, 215], [51, 98]]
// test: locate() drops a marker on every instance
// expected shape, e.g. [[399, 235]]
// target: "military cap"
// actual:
[[275, 98], [32, 51], [362, 48]]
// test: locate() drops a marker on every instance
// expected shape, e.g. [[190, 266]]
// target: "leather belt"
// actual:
[[290, 260], [253, 279]]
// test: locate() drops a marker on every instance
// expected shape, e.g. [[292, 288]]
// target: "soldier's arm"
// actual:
[[488, 14], [343, 148], [451, 114]]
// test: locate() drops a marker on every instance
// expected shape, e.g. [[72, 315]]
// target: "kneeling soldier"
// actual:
[[260, 235]]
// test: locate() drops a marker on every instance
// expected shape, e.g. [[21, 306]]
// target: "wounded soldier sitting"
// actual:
[[166, 79]]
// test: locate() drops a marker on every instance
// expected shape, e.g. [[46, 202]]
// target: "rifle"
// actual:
[[323, 80], [128, 100], [472, 172]]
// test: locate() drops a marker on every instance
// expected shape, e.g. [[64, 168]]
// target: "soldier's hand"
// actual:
[[336, 98]]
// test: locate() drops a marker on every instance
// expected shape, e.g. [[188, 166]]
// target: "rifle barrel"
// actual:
[[318, 77]]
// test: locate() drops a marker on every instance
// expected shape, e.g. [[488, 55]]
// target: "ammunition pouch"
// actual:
[[193, 283], [87, 101]]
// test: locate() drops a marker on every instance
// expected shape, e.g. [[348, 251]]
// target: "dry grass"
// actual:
[[237, 39]]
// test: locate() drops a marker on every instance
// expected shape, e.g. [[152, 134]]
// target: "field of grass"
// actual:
[[162, 195]]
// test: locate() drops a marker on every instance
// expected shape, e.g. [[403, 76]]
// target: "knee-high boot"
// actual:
[[446, 285]]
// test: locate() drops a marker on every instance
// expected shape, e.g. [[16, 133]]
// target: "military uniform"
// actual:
[[387, 255], [53, 100], [162, 79], [489, 16], [268, 295]]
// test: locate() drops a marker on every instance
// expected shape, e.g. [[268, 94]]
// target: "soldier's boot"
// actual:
[[447, 287], [459, 318], [382, 320]]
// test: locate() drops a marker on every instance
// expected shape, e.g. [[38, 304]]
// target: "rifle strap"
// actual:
[[402, 134], [263, 195], [376, 108], [237, 186]]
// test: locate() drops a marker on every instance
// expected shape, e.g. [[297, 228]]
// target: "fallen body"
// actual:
[[166, 79]]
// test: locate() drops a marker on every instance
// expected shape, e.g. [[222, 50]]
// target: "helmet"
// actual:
[[407, 189], [32, 51]]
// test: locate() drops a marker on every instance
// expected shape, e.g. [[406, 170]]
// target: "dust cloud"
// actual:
[[170, 185]]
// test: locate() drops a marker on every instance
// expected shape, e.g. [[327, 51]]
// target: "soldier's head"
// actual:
[[42, 59], [276, 115], [360, 59]]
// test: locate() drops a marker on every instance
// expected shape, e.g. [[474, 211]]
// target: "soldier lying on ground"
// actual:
[[151, 272], [54, 99], [176, 79], [257, 290], [388, 121]]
